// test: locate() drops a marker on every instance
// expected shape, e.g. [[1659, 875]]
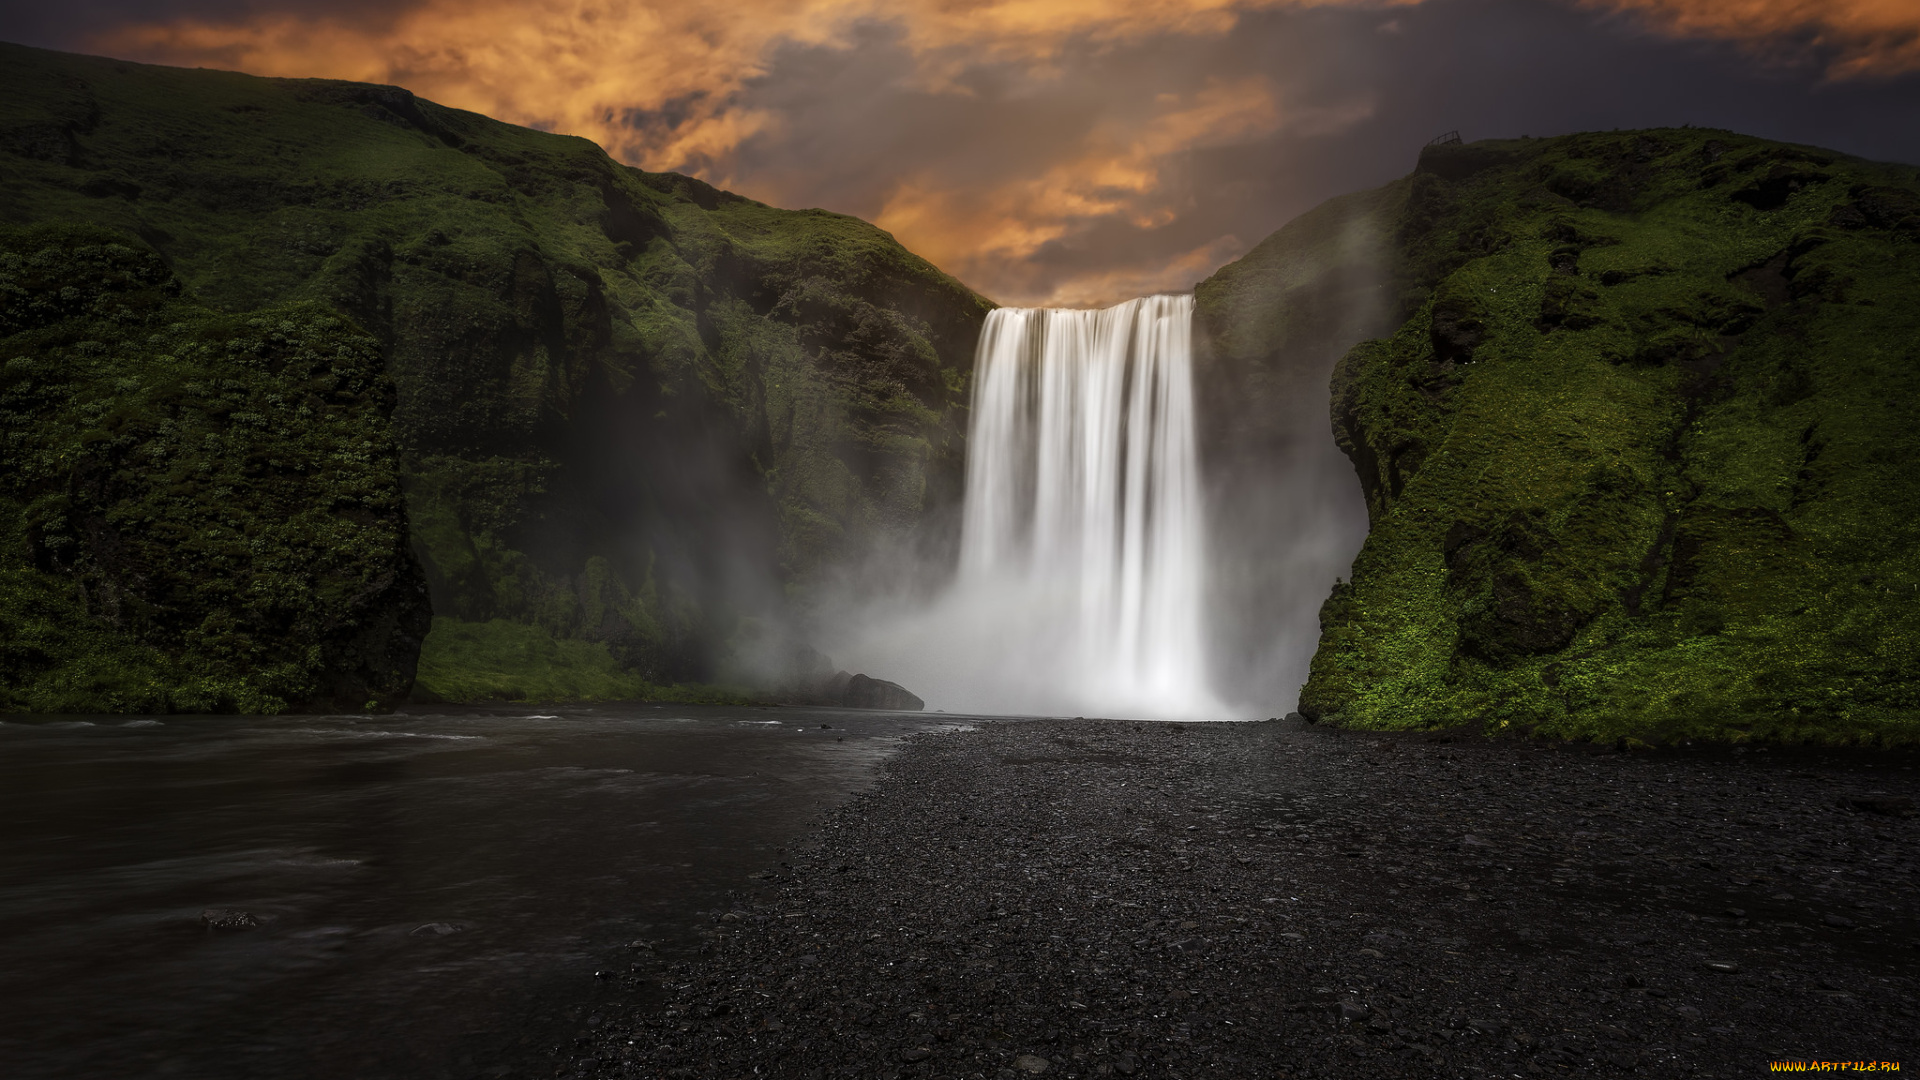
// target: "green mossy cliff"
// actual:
[[632, 411], [1638, 461], [202, 511]]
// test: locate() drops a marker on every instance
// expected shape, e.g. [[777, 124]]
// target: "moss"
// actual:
[[202, 511], [499, 660], [1634, 460], [590, 361]]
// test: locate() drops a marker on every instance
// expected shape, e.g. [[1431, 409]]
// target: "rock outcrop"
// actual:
[[848, 691], [1636, 459], [632, 411], [867, 693]]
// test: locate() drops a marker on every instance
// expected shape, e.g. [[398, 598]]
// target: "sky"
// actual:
[[1065, 152]]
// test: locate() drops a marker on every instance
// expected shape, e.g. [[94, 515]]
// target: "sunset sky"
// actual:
[[1073, 151]]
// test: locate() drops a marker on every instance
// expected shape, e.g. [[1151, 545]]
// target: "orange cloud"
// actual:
[[673, 85], [657, 83], [1177, 274], [1117, 172], [1864, 37], [586, 66]]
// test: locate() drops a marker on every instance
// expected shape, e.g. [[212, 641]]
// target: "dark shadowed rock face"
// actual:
[[844, 690], [1637, 462], [202, 511], [866, 693]]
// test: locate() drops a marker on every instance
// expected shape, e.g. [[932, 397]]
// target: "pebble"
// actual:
[[998, 898], [229, 920]]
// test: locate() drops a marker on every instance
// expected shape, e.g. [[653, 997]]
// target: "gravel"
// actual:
[[1102, 898]]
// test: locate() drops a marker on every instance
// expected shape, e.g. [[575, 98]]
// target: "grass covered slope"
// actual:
[[631, 408], [1639, 465], [202, 512]]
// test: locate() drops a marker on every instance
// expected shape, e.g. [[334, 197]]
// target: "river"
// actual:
[[434, 892]]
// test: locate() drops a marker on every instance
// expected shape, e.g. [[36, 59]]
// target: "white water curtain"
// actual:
[[1083, 513]]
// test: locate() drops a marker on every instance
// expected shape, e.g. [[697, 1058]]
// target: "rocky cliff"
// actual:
[[634, 414], [201, 511], [1636, 462]]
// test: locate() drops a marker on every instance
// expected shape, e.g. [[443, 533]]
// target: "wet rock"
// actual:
[[1487, 1027], [228, 920], [1032, 1064], [869, 693], [1885, 805], [845, 690]]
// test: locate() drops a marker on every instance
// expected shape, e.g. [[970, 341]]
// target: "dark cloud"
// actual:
[[852, 122], [1077, 155], [73, 24]]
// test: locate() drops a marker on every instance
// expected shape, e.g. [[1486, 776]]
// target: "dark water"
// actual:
[[545, 842]]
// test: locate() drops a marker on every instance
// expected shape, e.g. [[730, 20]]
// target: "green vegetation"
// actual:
[[631, 409], [1635, 455], [505, 661], [202, 512], [1637, 461]]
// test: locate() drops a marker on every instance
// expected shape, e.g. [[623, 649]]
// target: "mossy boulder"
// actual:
[[631, 409], [201, 511], [1636, 461]]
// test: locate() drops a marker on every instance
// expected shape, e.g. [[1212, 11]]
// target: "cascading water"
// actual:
[[1083, 491], [1081, 577]]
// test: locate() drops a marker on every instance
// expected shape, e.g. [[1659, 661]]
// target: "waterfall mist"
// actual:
[[1286, 514], [1081, 579], [1155, 507]]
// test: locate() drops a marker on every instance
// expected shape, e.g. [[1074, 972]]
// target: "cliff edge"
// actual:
[[1637, 464]]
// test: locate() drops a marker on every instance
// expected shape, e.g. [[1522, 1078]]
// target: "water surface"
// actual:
[[434, 891]]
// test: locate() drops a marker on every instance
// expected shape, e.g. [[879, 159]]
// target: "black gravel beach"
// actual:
[[1101, 898]]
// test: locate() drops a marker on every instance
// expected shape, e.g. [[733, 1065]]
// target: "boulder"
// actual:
[[848, 691], [868, 693]]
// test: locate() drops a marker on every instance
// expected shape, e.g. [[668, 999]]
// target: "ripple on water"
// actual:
[[345, 733]]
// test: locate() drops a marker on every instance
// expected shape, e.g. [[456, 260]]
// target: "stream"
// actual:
[[433, 892]]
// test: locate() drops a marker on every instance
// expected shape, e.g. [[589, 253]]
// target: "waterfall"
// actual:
[[1082, 570], [1083, 511]]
